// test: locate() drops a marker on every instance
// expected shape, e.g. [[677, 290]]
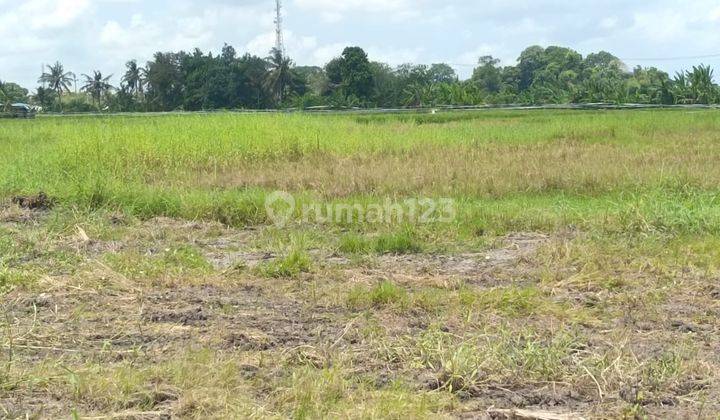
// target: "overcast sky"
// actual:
[[86, 35]]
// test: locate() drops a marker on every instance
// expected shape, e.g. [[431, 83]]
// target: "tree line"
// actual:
[[203, 81]]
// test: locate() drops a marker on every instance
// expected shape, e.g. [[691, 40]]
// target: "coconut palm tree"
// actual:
[[97, 86], [134, 78], [280, 75], [57, 79]]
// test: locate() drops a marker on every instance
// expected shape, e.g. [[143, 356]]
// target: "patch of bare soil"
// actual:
[[170, 224], [104, 318], [112, 323], [224, 248], [226, 258], [41, 201], [163, 321], [13, 214], [520, 414], [510, 255]]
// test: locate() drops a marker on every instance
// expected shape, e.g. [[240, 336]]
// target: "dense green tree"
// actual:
[[165, 82], [225, 80], [122, 101], [385, 81], [356, 74], [43, 97], [603, 78], [5, 99], [531, 60], [442, 73], [250, 81], [413, 74], [649, 85], [603, 60], [334, 72], [195, 70], [228, 54], [315, 78], [11, 93], [488, 76]]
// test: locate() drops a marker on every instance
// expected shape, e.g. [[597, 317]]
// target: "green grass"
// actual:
[[179, 261], [292, 265], [612, 313], [404, 241], [508, 171], [385, 293]]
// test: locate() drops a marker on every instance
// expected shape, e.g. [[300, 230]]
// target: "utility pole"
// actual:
[[279, 42]]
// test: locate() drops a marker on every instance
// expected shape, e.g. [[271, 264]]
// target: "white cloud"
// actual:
[[375, 6], [322, 55], [261, 44], [46, 14], [662, 25], [609, 22], [295, 45], [104, 34], [336, 10], [113, 35], [471, 57]]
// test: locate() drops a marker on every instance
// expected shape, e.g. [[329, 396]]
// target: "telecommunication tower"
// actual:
[[279, 41]]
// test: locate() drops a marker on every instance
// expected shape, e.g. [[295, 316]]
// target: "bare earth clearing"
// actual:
[[122, 336]]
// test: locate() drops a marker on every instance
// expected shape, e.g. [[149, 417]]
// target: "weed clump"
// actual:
[[403, 242], [385, 293], [294, 264]]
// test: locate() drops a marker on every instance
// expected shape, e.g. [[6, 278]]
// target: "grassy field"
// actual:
[[578, 276]]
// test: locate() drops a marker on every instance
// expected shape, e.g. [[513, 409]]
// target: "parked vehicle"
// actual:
[[20, 110]]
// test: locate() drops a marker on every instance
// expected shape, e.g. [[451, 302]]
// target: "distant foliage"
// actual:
[[199, 81]]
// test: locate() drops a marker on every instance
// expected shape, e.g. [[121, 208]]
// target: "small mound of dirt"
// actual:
[[34, 202]]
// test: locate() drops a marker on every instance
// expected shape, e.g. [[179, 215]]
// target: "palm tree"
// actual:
[[97, 86], [134, 78], [701, 83], [58, 80], [280, 75], [681, 89]]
